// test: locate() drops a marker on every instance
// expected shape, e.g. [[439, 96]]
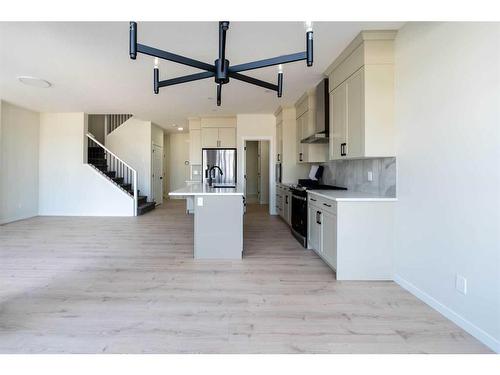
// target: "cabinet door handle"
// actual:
[[327, 205], [314, 200], [279, 157], [300, 156], [286, 199], [342, 149], [318, 217]]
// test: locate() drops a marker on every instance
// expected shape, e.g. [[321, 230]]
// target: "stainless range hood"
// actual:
[[322, 125]]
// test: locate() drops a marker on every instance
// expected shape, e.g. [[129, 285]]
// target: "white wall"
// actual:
[[264, 171], [156, 135], [178, 155], [19, 130], [131, 142], [166, 165], [257, 127], [448, 119], [68, 186]]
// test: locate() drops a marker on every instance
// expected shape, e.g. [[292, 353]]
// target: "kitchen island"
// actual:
[[218, 219]]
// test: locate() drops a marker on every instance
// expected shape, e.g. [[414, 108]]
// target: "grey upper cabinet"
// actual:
[[362, 98], [286, 145], [306, 117]]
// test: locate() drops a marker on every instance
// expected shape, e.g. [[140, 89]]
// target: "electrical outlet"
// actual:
[[200, 201], [370, 176], [461, 284]]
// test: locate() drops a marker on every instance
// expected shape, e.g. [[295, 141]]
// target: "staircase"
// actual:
[[114, 121], [118, 172]]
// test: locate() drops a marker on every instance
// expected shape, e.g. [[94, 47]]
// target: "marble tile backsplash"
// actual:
[[353, 174]]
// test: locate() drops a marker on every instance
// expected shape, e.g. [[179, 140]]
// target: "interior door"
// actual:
[[227, 137], [157, 174], [338, 128]]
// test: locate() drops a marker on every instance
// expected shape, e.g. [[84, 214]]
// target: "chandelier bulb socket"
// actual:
[[309, 48], [156, 80], [280, 84], [133, 40]]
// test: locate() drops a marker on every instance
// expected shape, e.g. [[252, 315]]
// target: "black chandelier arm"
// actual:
[[284, 59], [184, 79], [155, 52], [253, 81]]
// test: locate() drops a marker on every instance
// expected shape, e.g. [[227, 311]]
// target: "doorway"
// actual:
[[257, 172], [157, 174]]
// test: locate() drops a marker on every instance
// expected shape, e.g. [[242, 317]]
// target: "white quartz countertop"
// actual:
[[204, 189], [347, 195]]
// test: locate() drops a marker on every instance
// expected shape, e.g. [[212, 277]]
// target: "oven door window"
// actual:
[[299, 215]]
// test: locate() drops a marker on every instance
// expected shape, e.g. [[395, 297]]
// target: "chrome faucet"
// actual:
[[210, 174]]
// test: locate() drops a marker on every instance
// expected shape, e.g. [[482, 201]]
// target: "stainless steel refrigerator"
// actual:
[[225, 159]]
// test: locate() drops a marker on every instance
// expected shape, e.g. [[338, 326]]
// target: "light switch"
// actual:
[[199, 201]]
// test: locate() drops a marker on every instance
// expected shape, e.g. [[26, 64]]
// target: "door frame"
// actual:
[[272, 177]]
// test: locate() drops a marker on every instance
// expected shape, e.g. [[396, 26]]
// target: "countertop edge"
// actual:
[[353, 199]]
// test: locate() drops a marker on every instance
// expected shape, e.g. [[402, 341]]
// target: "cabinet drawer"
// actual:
[[324, 204]]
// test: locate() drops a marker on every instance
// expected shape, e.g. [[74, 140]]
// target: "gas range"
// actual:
[[301, 188], [299, 206]]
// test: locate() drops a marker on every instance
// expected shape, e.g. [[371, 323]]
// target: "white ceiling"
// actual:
[[89, 66]]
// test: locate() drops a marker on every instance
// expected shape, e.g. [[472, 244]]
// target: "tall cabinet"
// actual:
[[305, 122], [362, 98], [286, 146]]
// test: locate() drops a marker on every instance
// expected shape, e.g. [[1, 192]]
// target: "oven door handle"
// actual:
[[299, 198]]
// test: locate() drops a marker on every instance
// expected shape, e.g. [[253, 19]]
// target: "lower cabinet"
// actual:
[[314, 228], [287, 206], [353, 237], [322, 233], [284, 203]]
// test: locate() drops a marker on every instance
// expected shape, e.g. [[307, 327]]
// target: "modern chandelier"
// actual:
[[221, 69]]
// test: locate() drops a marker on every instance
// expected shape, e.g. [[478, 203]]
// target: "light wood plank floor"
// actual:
[[130, 285]]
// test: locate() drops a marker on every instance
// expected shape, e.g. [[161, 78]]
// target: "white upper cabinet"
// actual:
[[227, 137], [306, 117], [362, 98], [218, 132], [279, 141], [210, 137]]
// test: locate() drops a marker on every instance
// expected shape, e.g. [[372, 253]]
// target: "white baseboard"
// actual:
[[463, 323]]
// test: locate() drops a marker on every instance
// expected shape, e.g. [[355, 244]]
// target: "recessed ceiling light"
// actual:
[[180, 129], [35, 82]]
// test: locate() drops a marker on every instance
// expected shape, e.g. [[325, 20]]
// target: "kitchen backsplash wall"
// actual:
[[353, 174]]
